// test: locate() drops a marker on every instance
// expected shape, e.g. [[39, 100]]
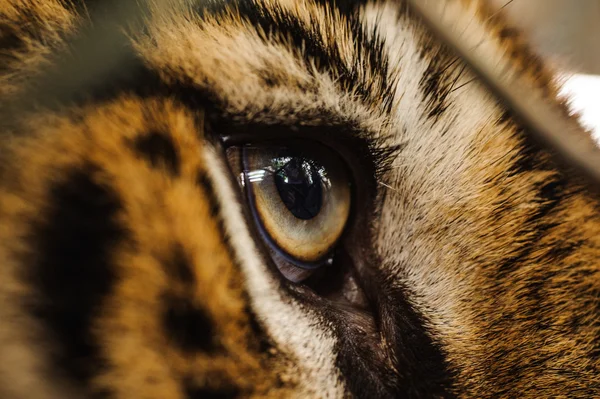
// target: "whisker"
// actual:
[[388, 187], [456, 79], [498, 10], [464, 84]]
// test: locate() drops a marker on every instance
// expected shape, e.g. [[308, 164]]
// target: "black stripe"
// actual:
[[16, 33], [218, 7], [71, 244], [439, 79], [91, 8], [226, 391], [204, 182], [159, 150], [180, 268], [11, 40], [443, 68], [187, 325], [345, 7], [419, 361]]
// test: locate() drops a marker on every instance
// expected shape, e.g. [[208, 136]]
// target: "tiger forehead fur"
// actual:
[[130, 267]]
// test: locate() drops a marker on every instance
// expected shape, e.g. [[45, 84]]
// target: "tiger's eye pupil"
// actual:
[[299, 183]]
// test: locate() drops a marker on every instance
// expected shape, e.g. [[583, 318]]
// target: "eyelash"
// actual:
[[368, 156]]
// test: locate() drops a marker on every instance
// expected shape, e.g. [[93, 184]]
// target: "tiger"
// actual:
[[284, 199]]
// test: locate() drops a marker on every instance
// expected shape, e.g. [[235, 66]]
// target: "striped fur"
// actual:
[[130, 269]]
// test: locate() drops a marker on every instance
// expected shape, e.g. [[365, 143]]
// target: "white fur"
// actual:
[[297, 330]]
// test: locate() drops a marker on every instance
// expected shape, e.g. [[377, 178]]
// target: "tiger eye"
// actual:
[[300, 201]]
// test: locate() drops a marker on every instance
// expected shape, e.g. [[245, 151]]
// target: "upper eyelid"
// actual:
[[244, 133], [335, 136], [367, 154]]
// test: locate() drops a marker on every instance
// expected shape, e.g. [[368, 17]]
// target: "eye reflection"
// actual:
[[300, 186], [300, 201]]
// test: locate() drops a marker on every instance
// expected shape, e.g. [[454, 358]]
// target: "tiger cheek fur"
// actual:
[[154, 304]]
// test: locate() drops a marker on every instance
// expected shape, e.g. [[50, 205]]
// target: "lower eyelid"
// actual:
[[290, 271]]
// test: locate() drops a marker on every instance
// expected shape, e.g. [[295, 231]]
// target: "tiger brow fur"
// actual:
[[128, 266]]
